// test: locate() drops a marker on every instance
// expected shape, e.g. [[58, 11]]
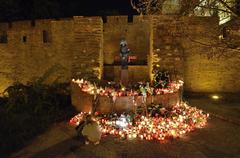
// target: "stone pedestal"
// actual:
[[83, 102], [124, 77]]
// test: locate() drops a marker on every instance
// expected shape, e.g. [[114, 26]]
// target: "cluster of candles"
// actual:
[[90, 88], [182, 119]]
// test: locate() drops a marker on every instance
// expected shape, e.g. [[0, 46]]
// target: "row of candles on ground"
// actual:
[[90, 88], [183, 119]]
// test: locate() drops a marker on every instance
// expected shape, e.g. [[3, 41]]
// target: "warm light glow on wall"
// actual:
[[215, 97], [154, 62], [4, 83]]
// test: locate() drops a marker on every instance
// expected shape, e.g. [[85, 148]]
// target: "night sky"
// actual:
[[37, 9], [11, 10]]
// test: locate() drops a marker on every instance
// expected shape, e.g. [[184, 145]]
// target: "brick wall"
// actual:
[[27, 57], [166, 51], [79, 46], [207, 68], [88, 47], [134, 29], [7, 67]]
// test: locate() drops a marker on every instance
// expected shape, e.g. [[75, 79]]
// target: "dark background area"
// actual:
[[11, 10]]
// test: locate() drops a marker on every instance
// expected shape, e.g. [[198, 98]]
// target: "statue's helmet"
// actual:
[[123, 42]]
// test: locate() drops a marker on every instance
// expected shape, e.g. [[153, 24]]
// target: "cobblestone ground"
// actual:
[[224, 109], [218, 139]]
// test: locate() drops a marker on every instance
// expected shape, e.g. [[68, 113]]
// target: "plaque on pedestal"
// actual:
[[124, 77]]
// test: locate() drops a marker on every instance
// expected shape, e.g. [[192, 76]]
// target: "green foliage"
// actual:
[[28, 110], [161, 79]]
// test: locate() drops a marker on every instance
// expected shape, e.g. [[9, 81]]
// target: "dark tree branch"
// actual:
[[229, 8], [216, 45], [214, 8]]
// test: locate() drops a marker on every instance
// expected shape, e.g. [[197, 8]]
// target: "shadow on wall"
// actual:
[[55, 74]]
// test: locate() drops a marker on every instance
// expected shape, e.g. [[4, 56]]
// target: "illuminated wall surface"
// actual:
[[80, 46]]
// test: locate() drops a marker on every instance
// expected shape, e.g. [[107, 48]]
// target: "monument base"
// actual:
[[83, 102]]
